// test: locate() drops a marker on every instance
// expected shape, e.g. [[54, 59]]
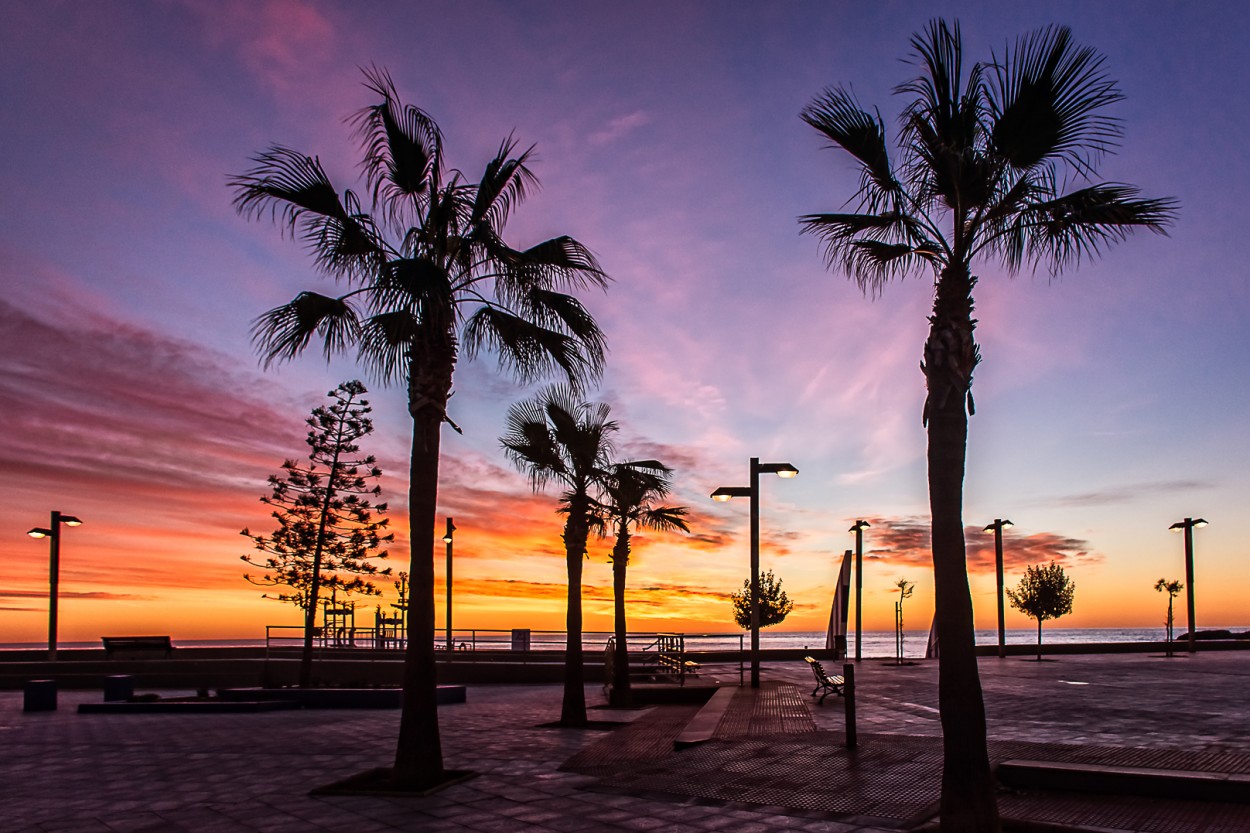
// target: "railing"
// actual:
[[664, 652]]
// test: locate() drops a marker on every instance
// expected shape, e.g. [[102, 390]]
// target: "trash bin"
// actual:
[[40, 696], [119, 687], [520, 639]]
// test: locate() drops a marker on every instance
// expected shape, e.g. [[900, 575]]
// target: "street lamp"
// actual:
[[447, 538], [997, 528], [723, 494], [858, 529], [1188, 526], [53, 533]]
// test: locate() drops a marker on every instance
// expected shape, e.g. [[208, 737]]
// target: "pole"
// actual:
[[54, 580], [1189, 582], [848, 688], [998, 568], [448, 538], [755, 572], [859, 590]]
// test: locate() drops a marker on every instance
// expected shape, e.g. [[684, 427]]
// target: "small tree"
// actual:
[[327, 537], [905, 589], [1044, 593], [775, 606], [1172, 588]]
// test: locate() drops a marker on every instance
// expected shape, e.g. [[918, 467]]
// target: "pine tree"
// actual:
[[327, 537]]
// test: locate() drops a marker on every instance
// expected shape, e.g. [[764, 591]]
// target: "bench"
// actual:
[[825, 684], [136, 644]]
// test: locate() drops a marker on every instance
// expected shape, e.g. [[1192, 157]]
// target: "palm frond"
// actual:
[[294, 189], [529, 350], [385, 342], [559, 263], [1045, 99], [504, 184], [873, 248], [282, 333], [1081, 223], [529, 444], [403, 147], [556, 436], [837, 116], [944, 124], [664, 518]]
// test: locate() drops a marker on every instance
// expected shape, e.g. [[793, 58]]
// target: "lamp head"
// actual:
[[997, 525], [70, 520], [447, 538], [724, 493], [786, 470], [39, 532], [859, 525]]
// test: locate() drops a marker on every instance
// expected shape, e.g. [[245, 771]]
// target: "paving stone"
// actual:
[[251, 773]]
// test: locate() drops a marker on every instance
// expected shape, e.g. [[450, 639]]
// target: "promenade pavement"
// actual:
[[777, 762]]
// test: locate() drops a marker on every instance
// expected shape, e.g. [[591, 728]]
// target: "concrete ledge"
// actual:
[[702, 727], [175, 706], [340, 698], [1125, 780]]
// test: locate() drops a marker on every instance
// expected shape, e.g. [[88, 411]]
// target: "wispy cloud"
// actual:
[[1124, 494], [620, 126]]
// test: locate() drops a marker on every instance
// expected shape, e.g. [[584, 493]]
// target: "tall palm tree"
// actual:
[[557, 438], [981, 167], [426, 270], [631, 490]]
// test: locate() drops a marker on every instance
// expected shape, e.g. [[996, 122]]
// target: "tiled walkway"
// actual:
[[73, 773]]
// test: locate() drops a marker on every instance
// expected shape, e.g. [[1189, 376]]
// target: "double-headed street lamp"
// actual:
[[447, 539], [858, 529], [997, 528], [723, 494], [1188, 526], [53, 533]]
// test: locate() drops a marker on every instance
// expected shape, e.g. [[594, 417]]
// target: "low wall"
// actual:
[[194, 668]]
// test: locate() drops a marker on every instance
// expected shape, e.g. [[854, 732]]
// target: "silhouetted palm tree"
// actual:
[[425, 271], [555, 437], [980, 173], [631, 491]]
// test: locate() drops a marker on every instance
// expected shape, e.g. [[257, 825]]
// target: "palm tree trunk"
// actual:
[[576, 531], [419, 752], [1039, 639], [622, 697], [967, 801]]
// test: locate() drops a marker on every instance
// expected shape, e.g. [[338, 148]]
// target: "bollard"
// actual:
[[118, 687], [40, 696], [848, 677]]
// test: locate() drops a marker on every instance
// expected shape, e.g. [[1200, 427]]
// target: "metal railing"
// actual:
[[661, 650]]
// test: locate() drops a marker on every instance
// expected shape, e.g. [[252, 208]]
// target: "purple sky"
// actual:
[[1111, 400]]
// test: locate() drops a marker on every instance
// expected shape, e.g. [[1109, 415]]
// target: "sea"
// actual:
[[874, 644]]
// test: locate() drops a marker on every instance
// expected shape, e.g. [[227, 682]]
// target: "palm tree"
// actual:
[[631, 490], [979, 174], [555, 437], [425, 271]]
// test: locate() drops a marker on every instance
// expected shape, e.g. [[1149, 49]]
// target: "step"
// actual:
[[702, 727], [1126, 780]]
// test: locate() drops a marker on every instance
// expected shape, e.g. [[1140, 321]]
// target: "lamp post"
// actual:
[[1188, 526], [858, 529], [723, 494], [53, 533], [447, 538], [997, 528]]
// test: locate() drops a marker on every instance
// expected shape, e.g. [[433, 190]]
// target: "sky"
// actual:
[[1111, 399]]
